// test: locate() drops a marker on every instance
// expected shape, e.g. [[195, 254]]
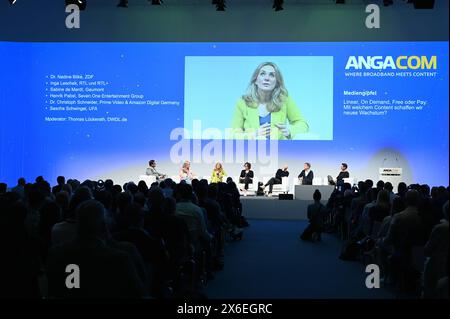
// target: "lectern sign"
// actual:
[[393, 175], [391, 171]]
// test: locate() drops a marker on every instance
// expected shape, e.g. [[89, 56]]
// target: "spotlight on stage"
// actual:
[[278, 5], [80, 3], [220, 5], [12, 1], [423, 4]]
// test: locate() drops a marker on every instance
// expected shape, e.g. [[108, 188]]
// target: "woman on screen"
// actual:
[[267, 110], [218, 173], [185, 172]]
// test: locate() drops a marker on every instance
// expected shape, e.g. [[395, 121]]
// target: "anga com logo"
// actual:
[[401, 62]]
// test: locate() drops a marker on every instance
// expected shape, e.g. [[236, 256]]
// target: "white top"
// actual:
[[262, 108]]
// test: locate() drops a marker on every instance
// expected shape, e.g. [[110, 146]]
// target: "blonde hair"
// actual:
[[220, 167], [185, 164], [278, 95]]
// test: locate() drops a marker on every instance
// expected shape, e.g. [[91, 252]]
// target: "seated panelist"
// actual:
[[306, 176]]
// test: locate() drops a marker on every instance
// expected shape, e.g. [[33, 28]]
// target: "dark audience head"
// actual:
[[105, 198], [362, 187], [425, 190], [142, 187], [50, 214], [369, 183], [61, 180], [116, 189], [74, 183], [123, 200], [195, 183], [346, 186], [169, 206], [442, 192], [3, 188], [81, 195], [317, 196], [380, 185], [233, 187], [67, 188], [402, 188], [91, 219], [202, 190], [35, 195], [373, 194], [140, 199], [229, 180], [412, 198], [383, 199], [21, 181], [155, 199], [132, 188], [388, 186], [398, 205], [89, 184], [39, 179], [134, 215], [154, 185], [434, 192], [213, 190], [169, 182], [62, 199], [162, 184], [108, 184], [184, 192], [46, 188]]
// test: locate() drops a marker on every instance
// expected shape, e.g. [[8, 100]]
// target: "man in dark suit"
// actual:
[[306, 175], [281, 172], [340, 178]]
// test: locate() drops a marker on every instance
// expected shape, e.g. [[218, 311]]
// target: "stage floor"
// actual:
[[259, 207]]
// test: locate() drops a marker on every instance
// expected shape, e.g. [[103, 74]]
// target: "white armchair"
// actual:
[[316, 181], [278, 188], [252, 188], [148, 179]]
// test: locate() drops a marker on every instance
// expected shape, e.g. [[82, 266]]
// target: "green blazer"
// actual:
[[217, 179], [246, 121]]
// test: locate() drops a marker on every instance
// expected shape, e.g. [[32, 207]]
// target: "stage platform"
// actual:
[[259, 207]]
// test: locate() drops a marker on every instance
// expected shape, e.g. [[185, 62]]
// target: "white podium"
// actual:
[[393, 175]]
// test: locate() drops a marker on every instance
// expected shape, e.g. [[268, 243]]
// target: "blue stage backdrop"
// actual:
[[97, 110]]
